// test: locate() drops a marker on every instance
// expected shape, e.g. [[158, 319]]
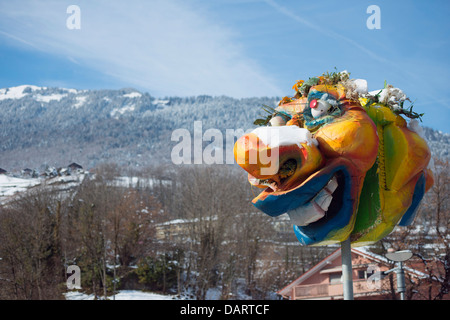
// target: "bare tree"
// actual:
[[30, 267], [429, 239], [435, 250]]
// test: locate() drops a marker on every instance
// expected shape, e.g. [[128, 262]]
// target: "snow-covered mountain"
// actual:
[[43, 126], [56, 126]]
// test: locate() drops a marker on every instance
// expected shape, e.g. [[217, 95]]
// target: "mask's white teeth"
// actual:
[[332, 185], [273, 186], [258, 182], [316, 208], [254, 181], [323, 199], [304, 215]]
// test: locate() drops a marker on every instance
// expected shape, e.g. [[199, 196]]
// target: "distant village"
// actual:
[[49, 172]]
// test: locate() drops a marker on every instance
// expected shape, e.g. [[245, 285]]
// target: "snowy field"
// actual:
[[11, 185], [212, 294], [122, 295]]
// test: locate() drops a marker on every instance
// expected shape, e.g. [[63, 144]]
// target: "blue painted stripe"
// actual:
[[411, 213]]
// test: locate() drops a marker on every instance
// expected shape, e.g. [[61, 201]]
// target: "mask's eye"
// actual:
[[313, 104], [320, 109]]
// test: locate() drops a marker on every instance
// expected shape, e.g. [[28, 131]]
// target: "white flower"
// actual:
[[383, 96], [391, 95]]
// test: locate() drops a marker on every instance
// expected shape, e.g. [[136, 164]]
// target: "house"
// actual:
[[172, 230], [323, 281], [3, 171], [74, 167], [27, 172]]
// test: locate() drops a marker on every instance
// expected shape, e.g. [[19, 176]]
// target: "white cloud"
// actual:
[[165, 47]]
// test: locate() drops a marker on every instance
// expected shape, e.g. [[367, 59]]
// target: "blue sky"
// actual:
[[239, 48]]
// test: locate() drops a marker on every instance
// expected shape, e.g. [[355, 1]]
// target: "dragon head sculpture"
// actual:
[[339, 161]]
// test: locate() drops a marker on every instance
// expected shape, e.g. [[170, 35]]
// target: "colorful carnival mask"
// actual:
[[339, 161]]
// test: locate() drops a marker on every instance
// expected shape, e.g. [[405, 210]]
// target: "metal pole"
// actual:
[[401, 281], [347, 276]]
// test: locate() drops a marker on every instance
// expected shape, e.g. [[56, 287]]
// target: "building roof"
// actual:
[[286, 290], [74, 165], [321, 267]]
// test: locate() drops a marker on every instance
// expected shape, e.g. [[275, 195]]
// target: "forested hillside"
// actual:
[[55, 127]]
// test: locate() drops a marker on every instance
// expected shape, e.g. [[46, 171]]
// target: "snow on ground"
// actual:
[[212, 294], [11, 185], [161, 102], [20, 92], [80, 102], [133, 182], [16, 92], [133, 95], [51, 97], [122, 295], [127, 108]]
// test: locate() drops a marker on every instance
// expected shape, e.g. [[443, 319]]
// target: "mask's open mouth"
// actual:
[[319, 188], [324, 204], [321, 204], [279, 181], [278, 158]]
